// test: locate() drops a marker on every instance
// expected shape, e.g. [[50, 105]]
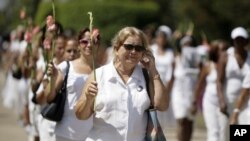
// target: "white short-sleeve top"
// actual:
[[119, 108], [234, 75], [70, 127]]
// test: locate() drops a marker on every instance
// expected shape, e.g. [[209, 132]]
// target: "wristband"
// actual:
[[236, 110]]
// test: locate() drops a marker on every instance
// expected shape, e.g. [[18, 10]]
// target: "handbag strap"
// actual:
[[146, 76], [66, 76]]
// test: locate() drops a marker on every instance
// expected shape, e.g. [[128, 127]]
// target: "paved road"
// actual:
[[11, 131]]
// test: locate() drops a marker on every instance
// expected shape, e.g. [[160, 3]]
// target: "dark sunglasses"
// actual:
[[82, 41], [71, 50], [138, 48]]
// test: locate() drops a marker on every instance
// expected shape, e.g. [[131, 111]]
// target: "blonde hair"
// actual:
[[124, 33]]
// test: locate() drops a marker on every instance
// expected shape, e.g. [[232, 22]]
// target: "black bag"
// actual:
[[16, 72], [154, 131], [54, 110]]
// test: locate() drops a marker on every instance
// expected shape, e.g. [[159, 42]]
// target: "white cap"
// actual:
[[239, 32], [185, 39], [166, 30]]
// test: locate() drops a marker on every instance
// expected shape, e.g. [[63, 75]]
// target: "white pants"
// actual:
[[46, 129], [216, 122]]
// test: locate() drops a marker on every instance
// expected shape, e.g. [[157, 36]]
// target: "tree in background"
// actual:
[[110, 15], [215, 18], [9, 14]]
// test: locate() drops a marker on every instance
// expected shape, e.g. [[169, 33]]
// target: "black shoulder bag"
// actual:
[[154, 131], [54, 110]]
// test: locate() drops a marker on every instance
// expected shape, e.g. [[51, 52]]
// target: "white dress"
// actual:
[[119, 109], [183, 88], [70, 127], [164, 67], [15, 91], [215, 121]]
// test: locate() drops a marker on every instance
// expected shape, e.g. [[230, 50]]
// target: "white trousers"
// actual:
[[46, 129]]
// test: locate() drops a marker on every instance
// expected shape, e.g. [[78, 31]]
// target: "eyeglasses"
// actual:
[[83, 41], [138, 48], [71, 50]]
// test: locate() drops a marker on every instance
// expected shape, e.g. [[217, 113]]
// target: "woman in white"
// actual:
[[164, 58], [185, 76], [118, 99], [46, 127], [70, 128], [232, 68], [214, 120]]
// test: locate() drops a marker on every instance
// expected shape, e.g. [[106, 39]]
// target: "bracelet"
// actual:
[[156, 77], [236, 110]]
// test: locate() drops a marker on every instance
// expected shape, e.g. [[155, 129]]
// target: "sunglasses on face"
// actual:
[[71, 50], [83, 41], [138, 48]]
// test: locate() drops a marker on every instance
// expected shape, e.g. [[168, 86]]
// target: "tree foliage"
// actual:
[[109, 15], [215, 18]]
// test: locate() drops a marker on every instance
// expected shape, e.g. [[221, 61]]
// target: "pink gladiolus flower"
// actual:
[[96, 32], [52, 27], [36, 30], [22, 14], [47, 44], [27, 37], [96, 35]]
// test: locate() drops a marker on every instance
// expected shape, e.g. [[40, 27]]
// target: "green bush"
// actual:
[[109, 16]]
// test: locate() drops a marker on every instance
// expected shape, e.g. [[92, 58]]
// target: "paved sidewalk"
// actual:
[[198, 135], [9, 129]]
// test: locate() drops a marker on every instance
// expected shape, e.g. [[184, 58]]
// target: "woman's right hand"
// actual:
[[52, 71], [194, 108], [223, 108], [91, 90]]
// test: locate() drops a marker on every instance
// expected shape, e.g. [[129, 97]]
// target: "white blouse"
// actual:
[[119, 108], [234, 75]]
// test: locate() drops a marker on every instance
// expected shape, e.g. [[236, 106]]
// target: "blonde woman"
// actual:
[[118, 99]]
